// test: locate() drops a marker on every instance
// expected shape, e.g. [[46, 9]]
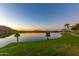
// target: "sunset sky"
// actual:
[[38, 16]]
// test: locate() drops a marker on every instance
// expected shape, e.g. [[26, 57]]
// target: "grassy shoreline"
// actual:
[[67, 45]]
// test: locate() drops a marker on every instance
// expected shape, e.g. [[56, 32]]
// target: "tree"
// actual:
[[75, 27], [67, 27], [17, 36], [47, 35]]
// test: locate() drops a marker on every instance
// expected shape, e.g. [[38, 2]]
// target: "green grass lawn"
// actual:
[[66, 45], [76, 32]]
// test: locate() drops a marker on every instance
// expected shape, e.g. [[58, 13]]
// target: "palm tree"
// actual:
[[67, 27], [47, 35], [17, 36]]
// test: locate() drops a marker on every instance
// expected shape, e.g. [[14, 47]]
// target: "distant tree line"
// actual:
[[75, 27]]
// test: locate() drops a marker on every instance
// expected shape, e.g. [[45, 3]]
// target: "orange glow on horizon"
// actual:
[[49, 27], [29, 28], [23, 28]]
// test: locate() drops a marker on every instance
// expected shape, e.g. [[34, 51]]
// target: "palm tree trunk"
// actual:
[[68, 28], [47, 38], [17, 39], [65, 28]]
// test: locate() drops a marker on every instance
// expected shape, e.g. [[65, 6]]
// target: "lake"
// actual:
[[27, 37]]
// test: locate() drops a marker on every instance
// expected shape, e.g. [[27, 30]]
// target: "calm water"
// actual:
[[27, 37]]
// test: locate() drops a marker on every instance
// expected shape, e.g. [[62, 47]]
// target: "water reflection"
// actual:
[[9, 38], [4, 35]]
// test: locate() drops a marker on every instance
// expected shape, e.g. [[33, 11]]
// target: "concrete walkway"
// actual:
[[75, 35]]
